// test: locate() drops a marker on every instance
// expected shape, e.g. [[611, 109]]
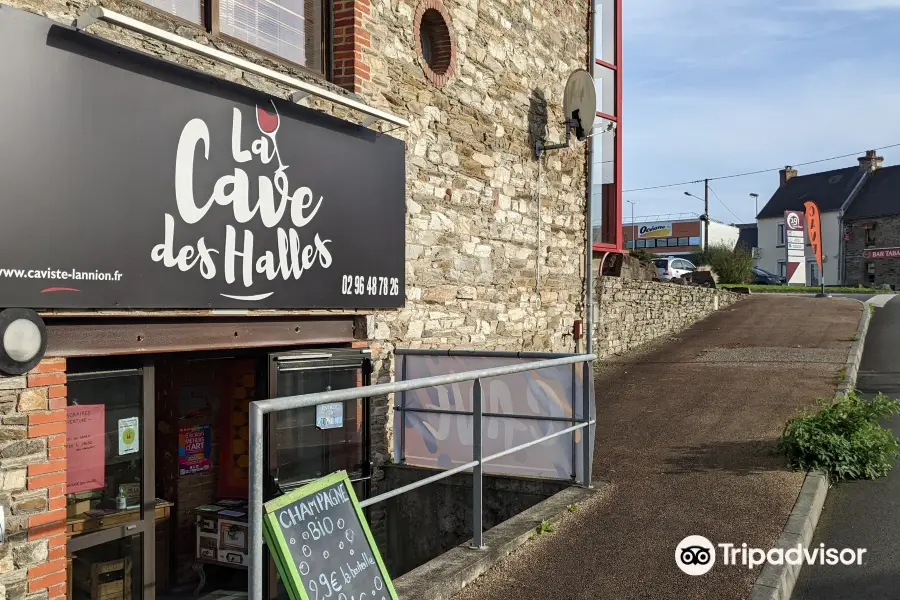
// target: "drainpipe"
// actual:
[[850, 198], [589, 227]]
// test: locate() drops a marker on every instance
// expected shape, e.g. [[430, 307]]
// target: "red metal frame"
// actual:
[[614, 212]]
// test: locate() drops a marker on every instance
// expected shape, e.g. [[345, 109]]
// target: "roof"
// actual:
[[748, 235], [880, 196], [829, 190]]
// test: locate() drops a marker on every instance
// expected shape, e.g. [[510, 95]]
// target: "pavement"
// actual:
[[864, 514], [686, 441]]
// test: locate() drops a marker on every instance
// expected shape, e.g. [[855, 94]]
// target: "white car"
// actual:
[[671, 267]]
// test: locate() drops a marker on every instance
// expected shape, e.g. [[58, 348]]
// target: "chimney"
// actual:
[[786, 174], [871, 161]]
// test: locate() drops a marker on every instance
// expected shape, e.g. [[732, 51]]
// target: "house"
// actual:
[[833, 192], [748, 238], [871, 232]]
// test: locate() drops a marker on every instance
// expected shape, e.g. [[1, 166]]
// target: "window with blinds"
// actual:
[[189, 10], [289, 29]]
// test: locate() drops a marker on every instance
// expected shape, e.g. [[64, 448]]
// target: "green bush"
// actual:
[[844, 438], [731, 265], [642, 255]]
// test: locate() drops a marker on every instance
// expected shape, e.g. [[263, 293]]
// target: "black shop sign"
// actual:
[[130, 182]]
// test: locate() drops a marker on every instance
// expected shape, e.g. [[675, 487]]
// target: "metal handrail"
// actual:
[[259, 408]]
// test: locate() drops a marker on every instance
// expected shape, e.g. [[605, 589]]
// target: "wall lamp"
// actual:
[[23, 340]]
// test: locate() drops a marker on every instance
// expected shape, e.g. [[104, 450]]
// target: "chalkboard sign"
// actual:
[[322, 544]]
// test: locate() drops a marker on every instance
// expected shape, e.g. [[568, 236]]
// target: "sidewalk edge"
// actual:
[[776, 582]]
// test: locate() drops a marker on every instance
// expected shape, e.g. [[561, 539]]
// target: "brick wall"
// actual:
[[32, 472], [629, 312], [350, 37], [886, 235]]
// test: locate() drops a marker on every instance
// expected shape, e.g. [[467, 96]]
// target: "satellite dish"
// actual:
[[580, 102], [579, 110]]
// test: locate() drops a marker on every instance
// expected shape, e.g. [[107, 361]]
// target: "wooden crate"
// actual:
[[110, 580]]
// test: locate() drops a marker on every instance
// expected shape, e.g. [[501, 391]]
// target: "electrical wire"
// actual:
[[761, 171], [723, 204]]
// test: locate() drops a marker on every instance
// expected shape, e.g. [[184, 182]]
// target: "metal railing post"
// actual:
[[402, 456], [255, 504], [477, 470], [587, 451], [574, 421]]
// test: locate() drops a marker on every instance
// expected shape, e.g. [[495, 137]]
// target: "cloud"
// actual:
[[849, 5], [716, 88]]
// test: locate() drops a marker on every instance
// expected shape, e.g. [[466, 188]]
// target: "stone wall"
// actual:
[[886, 234], [475, 276], [473, 185], [629, 313], [33, 483]]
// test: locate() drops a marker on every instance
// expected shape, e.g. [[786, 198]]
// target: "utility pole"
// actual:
[[706, 213]]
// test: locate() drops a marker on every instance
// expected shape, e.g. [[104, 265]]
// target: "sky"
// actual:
[[719, 87]]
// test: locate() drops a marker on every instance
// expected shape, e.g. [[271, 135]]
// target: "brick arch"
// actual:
[[444, 50]]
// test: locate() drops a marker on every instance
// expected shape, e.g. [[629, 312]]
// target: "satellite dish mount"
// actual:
[[580, 108]]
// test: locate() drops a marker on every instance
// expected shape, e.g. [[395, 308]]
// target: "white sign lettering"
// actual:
[[273, 199]]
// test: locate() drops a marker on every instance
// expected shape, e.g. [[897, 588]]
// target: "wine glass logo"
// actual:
[[268, 122]]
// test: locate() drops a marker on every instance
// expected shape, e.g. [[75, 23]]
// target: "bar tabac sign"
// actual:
[[135, 183], [872, 253]]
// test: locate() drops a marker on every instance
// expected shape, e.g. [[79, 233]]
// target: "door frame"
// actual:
[[270, 582], [146, 526]]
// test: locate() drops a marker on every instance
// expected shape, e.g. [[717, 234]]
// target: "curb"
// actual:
[[776, 582]]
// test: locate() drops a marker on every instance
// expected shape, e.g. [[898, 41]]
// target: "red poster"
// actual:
[[814, 230], [85, 447]]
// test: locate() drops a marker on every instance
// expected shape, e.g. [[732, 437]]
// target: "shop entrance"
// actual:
[[159, 456]]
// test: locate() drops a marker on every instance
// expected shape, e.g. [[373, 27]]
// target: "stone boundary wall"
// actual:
[[629, 312]]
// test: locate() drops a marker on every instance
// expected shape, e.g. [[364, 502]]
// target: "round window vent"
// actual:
[[835, 178], [435, 41]]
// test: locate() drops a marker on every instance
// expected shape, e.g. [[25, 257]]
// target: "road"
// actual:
[[864, 514], [686, 442]]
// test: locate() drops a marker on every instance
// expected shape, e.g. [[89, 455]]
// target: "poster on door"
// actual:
[[795, 247], [129, 441], [85, 447], [194, 449]]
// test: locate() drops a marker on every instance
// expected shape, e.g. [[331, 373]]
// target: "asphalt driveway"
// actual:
[[686, 439]]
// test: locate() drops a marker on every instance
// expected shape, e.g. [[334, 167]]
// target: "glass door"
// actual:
[[110, 490], [307, 443]]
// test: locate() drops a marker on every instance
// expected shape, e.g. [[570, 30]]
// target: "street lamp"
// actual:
[[755, 203], [633, 236], [705, 213]]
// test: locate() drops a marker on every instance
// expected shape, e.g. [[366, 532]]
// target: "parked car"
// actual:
[[763, 277], [671, 267]]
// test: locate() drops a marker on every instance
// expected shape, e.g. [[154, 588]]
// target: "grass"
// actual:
[[795, 289], [544, 527]]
